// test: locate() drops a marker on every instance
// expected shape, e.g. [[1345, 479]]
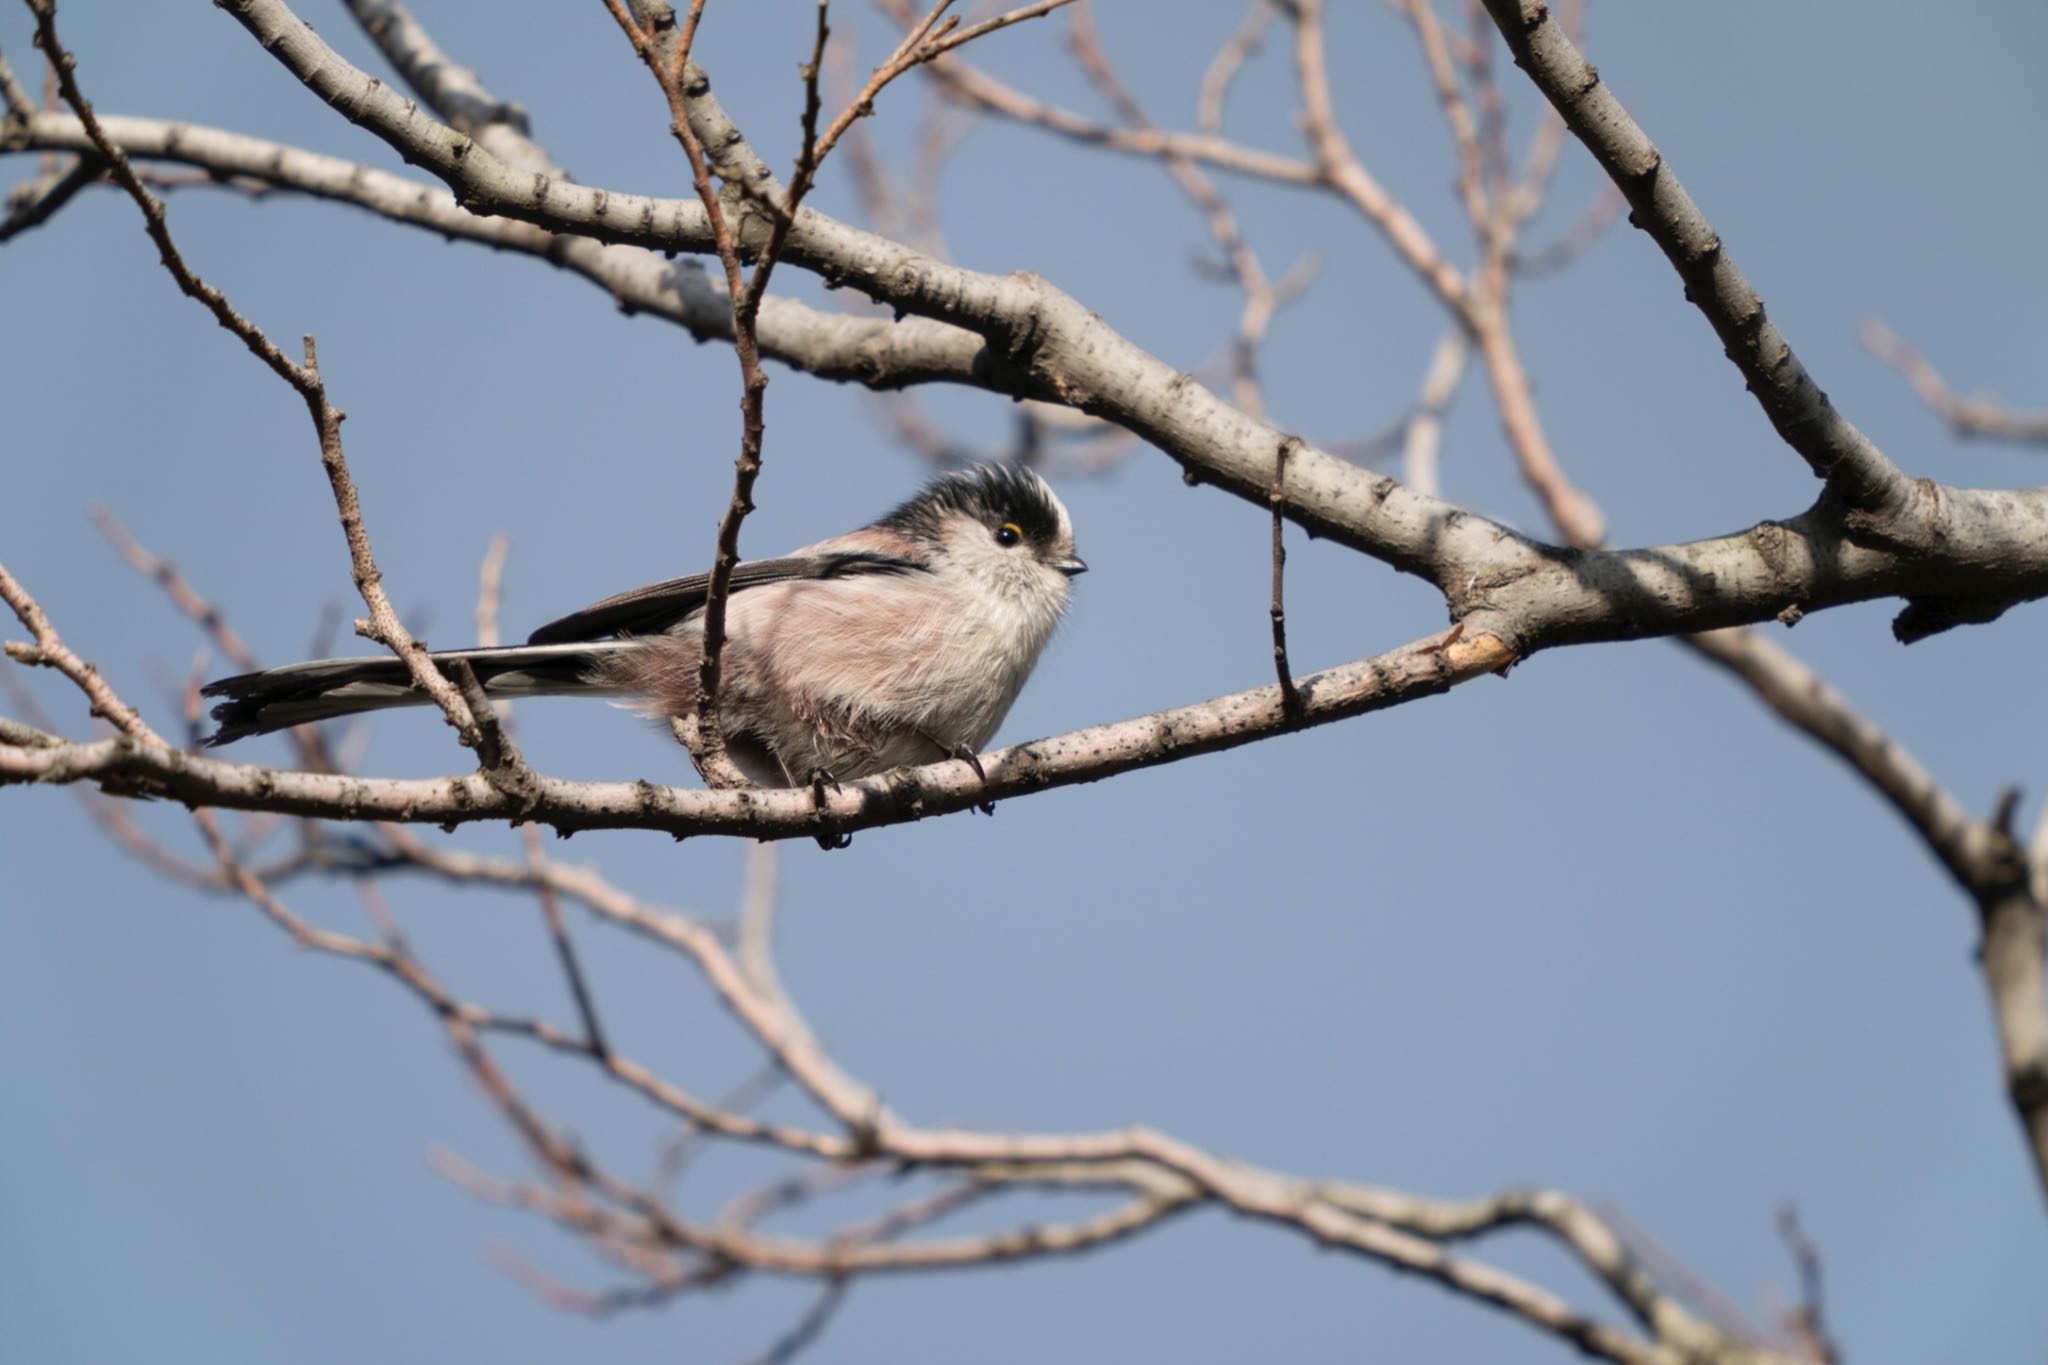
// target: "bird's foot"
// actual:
[[973, 760], [821, 779]]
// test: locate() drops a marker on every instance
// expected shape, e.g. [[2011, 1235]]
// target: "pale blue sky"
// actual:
[[1603, 926]]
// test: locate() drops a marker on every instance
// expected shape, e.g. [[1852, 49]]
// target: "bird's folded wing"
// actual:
[[660, 606]]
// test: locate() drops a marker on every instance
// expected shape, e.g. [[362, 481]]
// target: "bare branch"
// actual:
[[27, 736], [35, 202], [1805, 700], [384, 625], [1339, 167], [876, 352], [1826, 440], [980, 91], [13, 93], [1422, 432], [1230, 59], [1982, 858], [1809, 1318], [1968, 416], [1074, 358], [1290, 696], [1962, 554], [1261, 297], [960, 37], [701, 732], [1423, 668], [50, 651], [451, 89], [1457, 113]]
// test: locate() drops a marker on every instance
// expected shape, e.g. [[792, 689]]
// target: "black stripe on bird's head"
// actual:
[[993, 495]]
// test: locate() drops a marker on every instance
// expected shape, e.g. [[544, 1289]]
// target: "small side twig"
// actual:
[[1808, 1319], [1290, 693], [50, 651]]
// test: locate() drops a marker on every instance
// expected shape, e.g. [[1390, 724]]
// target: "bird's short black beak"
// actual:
[[1071, 565]]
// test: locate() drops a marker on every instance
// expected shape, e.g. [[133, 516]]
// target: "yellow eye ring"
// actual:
[[1008, 534]]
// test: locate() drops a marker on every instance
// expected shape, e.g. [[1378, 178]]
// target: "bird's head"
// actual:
[[1002, 526]]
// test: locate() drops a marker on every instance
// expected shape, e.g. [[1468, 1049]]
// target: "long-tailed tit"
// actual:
[[902, 642]]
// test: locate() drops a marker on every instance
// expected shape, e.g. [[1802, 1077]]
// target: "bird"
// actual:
[[905, 641]]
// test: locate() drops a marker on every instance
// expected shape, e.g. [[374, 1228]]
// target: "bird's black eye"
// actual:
[[1008, 534]]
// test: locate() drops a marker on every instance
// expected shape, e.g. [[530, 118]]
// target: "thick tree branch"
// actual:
[[451, 90], [879, 353], [1801, 413], [1062, 352], [1982, 858]]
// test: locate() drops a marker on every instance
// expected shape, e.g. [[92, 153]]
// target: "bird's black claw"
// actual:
[[986, 807], [971, 759], [821, 779]]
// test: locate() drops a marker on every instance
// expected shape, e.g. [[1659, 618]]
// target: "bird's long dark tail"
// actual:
[[278, 698]]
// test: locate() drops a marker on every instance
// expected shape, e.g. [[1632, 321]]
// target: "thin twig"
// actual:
[[1290, 692], [1229, 60], [489, 597], [1338, 167], [1261, 298], [808, 1327], [1473, 173], [1808, 1319], [1984, 417], [384, 625], [50, 651], [1422, 432], [13, 93], [702, 732]]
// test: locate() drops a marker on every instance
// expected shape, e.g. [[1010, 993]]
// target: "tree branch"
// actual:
[[1063, 353], [1830, 444], [1421, 669], [1967, 416]]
